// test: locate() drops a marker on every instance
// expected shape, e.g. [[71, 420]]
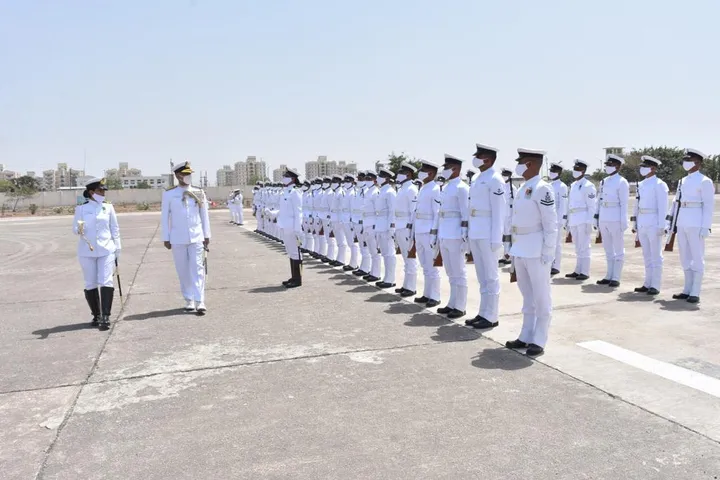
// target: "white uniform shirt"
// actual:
[[385, 208], [427, 207], [307, 204], [405, 204], [652, 204], [561, 200], [317, 204], [581, 202], [183, 220], [487, 206], [454, 200], [334, 200], [369, 207], [290, 210], [696, 193], [239, 200], [510, 193], [344, 197], [101, 229], [613, 199], [534, 221], [326, 197], [357, 201]]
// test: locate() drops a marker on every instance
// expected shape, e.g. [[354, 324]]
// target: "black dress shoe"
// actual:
[[348, 268], [366, 276], [554, 271], [422, 299], [614, 283], [324, 260], [534, 350], [371, 279], [693, 299], [571, 275], [642, 289], [581, 277], [455, 313], [481, 322], [681, 296], [335, 263], [384, 285], [444, 310], [359, 273], [432, 303], [653, 291], [407, 293], [399, 290], [604, 281], [516, 344]]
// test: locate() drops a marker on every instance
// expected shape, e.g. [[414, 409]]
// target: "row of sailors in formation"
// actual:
[[377, 213]]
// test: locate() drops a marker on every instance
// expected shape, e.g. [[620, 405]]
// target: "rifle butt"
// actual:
[[438, 261], [670, 245], [598, 239], [413, 252], [568, 238]]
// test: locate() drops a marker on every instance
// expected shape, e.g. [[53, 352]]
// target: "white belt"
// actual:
[[449, 214], [358, 212], [480, 213], [525, 230], [691, 204], [368, 214], [345, 210], [322, 209], [610, 204], [423, 216], [382, 212], [334, 211], [401, 214], [647, 210], [576, 210]]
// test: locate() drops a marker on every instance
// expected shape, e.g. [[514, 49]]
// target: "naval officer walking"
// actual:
[[534, 228], [186, 231]]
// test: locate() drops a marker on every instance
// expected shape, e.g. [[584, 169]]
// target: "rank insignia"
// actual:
[[591, 195], [548, 201], [500, 191], [528, 193]]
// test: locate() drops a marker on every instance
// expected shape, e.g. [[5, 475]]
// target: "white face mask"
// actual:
[[577, 174], [369, 183], [325, 185], [520, 169], [98, 198], [287, 181], [401, 177], [688, 165], [347, 185], [187, 179], [382, 180], [446, 174], [610, 169], [553, 175], [422, 176], [305, 188], [477, 163], [335, 185], [644, 171]]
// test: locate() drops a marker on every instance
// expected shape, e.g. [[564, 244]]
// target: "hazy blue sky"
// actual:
[[213, 81]]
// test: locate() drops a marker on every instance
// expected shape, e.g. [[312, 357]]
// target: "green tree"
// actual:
[[114, 183], [254, 179], [144, 185], [394, 161], [711, 168], [567, 177], [22, 188], [670, 171]]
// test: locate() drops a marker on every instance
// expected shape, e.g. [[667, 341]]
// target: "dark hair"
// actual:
[[86, 193]]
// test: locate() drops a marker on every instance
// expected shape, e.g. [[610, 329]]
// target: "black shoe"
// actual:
[[571, 275], [516, 344], [335, 263], [400, 290], [484, 323], [359, 273], [93, 301], [444, 310], [604, 281], [456, 313], [407, 293], [371, 279], [324, 259], [104, 323], [581, 277], [432, 303], [534, 350], [106, 301], [653, 291], [422, 299], [286, 282], [293, 284], [366, 276], [642, 289], [693, 299], [384, 285], [348, 268], [296, 280], [681, 296], [614, 283], [554, 271]]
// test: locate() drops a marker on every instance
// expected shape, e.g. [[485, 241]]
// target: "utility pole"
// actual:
[[172, 175]]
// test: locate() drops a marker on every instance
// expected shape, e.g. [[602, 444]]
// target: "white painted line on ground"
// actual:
[[680, 375]]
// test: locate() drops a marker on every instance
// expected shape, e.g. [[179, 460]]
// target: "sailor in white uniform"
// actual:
[[649, 223], [486, 225], [561, 205], [613, 219], [427, 212], [385, 226], [357, 206], [346, 224], [694, 206], [405, 203], [510, 192], [534, 228], [238, 202], [307, 240], [368, 227], [290, 221], [582, 200], [317, 222], [185, 225], [98, 249]]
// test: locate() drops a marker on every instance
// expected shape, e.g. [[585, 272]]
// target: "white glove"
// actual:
[[661, 231], [704, 232], [545, 259]]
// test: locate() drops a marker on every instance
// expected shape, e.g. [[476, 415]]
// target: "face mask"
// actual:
[[447, 173], [577, 174], [688, 166], [187, 179], [422, 176], [610, 170], [553, 175], [98, 198], [382, 180], [644, 171], [401, 177], [335, 185], [325, 185], [305, 188], [477, 163], [369, 183], [347, 185], [287, 180], [520, 169]]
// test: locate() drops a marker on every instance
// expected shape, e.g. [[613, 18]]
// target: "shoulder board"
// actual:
[[170, 188], [105, 201], [86, 202]]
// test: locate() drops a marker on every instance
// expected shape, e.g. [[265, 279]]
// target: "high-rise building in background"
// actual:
[[613, 151], [322, 167], [242, 173], [278, 173]]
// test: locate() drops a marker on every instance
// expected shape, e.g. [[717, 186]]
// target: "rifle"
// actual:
[[469, 257], [512, 201], [438, 262], [634, 218], [568, 239], [598, 239], [513, 275], [670, 243]]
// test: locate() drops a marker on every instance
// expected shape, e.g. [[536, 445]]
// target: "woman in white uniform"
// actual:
[[98, 248], [289, 221]]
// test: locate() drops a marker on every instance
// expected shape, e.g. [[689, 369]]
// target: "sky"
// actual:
[[213, 81]]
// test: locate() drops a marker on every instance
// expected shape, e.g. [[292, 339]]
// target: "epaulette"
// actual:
[[86, 202], [170, 188], [105, 201]]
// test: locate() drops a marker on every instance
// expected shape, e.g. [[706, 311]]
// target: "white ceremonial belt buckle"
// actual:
[[480, 213], [648, 210], [423, 216], [449, 214], [576, 210], [610, 204], [525, 230], [401, 214], [691, 204]]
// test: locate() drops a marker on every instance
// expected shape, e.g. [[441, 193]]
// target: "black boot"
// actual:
[[296, 280], [93, 300], [292, 275], [106, 298]]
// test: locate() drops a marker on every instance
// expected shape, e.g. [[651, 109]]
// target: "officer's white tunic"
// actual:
[[426, 218], [650, 211], [359, 219], [613, 221], [186, 224], [318, 215], [368, 230], [561, 205], [336, 222], [354, 204], [486, 225], [696, 194], [581, 210], [454, 200], [239, 208], [308, 240], [385, 229], [290, 220], [534, 231], [510, 193], [405, 202], [345, 200], [101, 229]]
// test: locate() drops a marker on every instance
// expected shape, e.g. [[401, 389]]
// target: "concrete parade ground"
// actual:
[[340, 380]]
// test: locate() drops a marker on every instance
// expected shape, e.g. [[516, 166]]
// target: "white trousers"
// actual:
[[373, 253], [289, 238], [190, 270], [488, 275], [533, 279], [692, 258], [405, 243], [330, 242], [506, 231], [366, 259], [386, 244], [581, 240], [341, 241], [231, 208], [239, 214], [614, 244], [453, 256], [349, 230], [558, 246], [652, 247], [98, 271], [320, 242], [431, 273]]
